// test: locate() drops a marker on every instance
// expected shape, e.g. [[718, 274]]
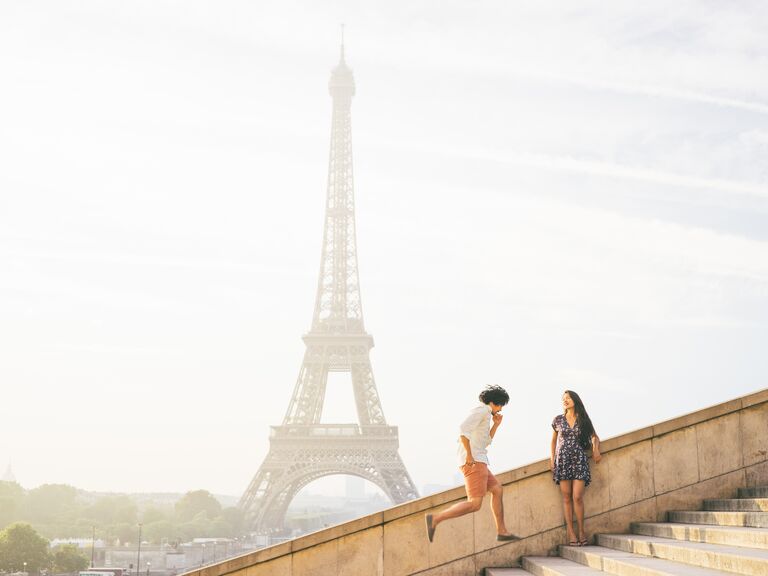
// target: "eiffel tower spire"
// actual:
[[302, 449]]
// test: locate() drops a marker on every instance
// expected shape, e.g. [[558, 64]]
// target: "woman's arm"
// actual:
[[596, 448], [553, 444]]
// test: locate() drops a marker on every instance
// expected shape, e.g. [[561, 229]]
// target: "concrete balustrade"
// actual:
[[674, 465]]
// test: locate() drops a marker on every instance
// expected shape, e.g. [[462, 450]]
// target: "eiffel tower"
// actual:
[[302, 449]]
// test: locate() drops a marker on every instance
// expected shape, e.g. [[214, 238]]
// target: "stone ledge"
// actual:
[[697, 417], [756, 398], [531, 470]]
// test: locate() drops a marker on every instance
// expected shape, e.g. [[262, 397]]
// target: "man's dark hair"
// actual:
[[495, 394]]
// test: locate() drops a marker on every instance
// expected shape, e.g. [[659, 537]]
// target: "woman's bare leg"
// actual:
[[566, 491], [578, 505]]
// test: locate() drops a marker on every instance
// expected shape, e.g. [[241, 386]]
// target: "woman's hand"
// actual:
[[597, 456], [552, 464]]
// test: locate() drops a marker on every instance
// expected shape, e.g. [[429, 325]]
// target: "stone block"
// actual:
[[754, 434], [643, 511], [756, 398], [718, 441], [696, 417], [593, 525], [485, 527], [527, 471], [270, 552], [618, 442], [461, 567], [675, 460], [238, 564], [539, 505], [278, 567], [692, 497], [631, 474], [320, 560], [448, 497], [406, 546], [597, 497], [509, 555], [362, 553], [334, 532], [454, 538], [756, 475], [412, 507]]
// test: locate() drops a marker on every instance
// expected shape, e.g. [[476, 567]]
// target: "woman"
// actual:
[[572, 435]]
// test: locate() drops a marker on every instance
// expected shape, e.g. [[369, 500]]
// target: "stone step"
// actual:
[[748, 561], [727, 535], [738, 505], [627, 564], [756, 492], [556, 566], [752, 519], [506, 572]]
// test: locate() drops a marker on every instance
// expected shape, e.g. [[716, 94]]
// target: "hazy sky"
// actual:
[[550, 195]]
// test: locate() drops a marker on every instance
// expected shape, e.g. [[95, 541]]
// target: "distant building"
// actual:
[[79, 542], [8, 476]]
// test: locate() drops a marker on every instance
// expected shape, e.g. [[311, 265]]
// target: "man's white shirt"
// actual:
[[477, 429]]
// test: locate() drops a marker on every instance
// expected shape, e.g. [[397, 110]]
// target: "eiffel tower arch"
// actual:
[[302, 449]]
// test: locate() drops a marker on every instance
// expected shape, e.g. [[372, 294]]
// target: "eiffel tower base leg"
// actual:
[[300, 455]]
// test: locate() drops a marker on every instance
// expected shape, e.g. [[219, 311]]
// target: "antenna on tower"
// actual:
[[342, 42]]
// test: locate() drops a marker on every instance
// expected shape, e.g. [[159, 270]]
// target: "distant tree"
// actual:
[[122, 532], [193, 503], [20, 543], [235, 518], [52, 503], [153, 514], [112, 510], [11, 502], [160, 530], [68, 558], [198, 527], [220, 528]]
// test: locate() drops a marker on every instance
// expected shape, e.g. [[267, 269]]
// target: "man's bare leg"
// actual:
[[459, 509], [497, 506]]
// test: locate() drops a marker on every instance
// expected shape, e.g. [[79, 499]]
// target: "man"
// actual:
[[476, 435]]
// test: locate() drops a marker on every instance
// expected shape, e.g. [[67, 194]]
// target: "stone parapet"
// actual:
[[673, 465]]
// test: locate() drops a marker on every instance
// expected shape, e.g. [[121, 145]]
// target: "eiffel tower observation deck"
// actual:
[[303, 449]]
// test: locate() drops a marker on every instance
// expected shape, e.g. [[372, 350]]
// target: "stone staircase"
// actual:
[[727, 537]]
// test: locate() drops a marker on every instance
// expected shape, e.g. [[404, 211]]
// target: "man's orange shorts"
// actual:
[[478, 479]]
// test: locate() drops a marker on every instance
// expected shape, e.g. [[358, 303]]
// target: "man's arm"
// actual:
[[469, 460], [496, 423], [465, 429]]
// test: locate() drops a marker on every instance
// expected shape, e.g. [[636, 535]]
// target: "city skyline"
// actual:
[[547, 198]]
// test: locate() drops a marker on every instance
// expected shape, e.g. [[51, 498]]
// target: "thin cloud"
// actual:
[[614, 170], [657, 92]]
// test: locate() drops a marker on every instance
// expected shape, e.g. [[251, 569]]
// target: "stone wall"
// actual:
[[668, 466]]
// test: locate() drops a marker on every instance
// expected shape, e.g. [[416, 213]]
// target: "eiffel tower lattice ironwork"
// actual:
[[302, 449]]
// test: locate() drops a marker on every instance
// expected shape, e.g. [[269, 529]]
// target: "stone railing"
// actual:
[[672, 465]]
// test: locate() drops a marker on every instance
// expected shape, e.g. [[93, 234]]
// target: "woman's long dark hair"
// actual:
[[586, 430]]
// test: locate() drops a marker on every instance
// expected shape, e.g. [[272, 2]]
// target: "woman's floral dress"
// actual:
[[570, 458]]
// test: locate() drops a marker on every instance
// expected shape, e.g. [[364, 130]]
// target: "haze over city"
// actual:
[[548, 196]]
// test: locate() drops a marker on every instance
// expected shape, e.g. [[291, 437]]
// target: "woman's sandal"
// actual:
[[584, 542]]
